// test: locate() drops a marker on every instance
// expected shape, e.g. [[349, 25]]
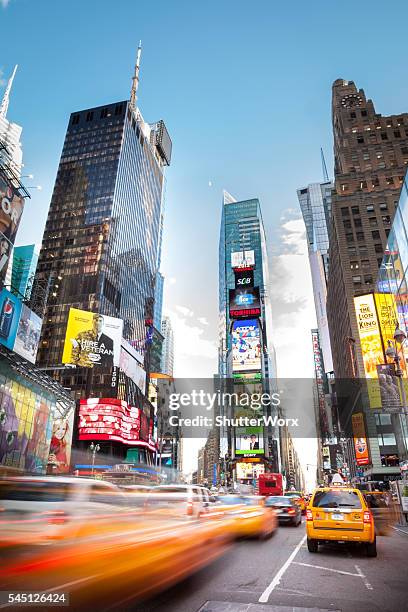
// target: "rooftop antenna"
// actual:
[[6, 98], [135, 79], [324, 167]]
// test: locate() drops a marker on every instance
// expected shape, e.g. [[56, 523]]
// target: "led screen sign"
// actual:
[[244, 303]]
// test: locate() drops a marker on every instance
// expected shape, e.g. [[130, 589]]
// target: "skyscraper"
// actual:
[[167, 362], [10, 133], [315, 204], [25, 260], [371, 153], [101, 245]]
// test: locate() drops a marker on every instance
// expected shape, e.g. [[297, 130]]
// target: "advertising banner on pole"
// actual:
[[92, 339], [360, 440]]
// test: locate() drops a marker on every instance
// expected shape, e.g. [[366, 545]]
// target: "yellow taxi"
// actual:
[[339, 514], [251, 518]]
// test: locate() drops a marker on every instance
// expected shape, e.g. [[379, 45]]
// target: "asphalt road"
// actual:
[[280, 574]]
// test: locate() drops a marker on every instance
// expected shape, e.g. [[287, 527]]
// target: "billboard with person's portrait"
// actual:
[[92, 339]]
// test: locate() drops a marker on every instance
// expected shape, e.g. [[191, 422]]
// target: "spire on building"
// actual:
[[135, 78], [324, 167], [227, 198], [6, 98]]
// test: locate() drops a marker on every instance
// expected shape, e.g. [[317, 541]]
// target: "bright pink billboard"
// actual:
[[109, 419]]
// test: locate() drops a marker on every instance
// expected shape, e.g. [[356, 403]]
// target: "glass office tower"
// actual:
[[242, 229], [100, 249]]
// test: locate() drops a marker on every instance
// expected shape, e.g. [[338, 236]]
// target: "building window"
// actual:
[[356, 280], [378, 248], [347, 223], [383, 206], [373, 221], [75, 119], [363, 184], [352, 251], [345, 212], [363, 250], [364, 113], [365, 263], [370, 208], [375, 181], [386, 219], [404, 150], [89, 116], [349, 238], [357, 222], [353, 115], [368, 279], [376, 235], [366, 155], [104, 113], [384, 136], [383, 419], [360, 140], [354, 265], [344, 186], [389, 180], [397, 134], [360, 236], [355, 210], [386, 439]]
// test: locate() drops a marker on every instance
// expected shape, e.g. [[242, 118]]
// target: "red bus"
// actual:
[[270, 484]]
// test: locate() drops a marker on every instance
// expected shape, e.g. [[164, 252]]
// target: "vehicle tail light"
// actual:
[[367, 517], [189, 508], [291, 511], [309, 515], [56, 517]]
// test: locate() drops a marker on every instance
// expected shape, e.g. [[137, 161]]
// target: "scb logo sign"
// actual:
[[244, 279]]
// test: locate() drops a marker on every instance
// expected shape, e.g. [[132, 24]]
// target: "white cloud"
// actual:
[[202, 320], [172, 280], [185, 311]]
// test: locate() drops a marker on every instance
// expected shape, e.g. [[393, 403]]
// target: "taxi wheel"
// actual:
[[371, 549], [312, 545]]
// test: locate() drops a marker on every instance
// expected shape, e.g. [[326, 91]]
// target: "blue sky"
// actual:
[[245, 90]]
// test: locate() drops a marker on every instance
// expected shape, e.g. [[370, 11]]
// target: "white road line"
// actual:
[[329, 569], [277, 578], [364, 579], [401, 531]]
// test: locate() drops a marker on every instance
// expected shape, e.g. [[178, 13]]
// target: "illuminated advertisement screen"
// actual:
[[369, 332], [243, 278], [246, 346], [11, 209], [60, 447], [243, 259], [244, 303], [249, 441], [110, 419], [28, 334], [360, 440], [245, 378], [131, 367], [92, 339]]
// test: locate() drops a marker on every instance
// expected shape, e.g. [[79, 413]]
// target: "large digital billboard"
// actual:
[[28, 334], [244, 303], [10, 309], [112, 419], [249, 441], [92, 339], [60, 447], [11, 209], [243, 259], [130, 366], [360, 440], [369, 332], [246, 346]]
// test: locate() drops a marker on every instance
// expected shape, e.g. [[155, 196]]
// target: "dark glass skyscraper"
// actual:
[[101, 245]]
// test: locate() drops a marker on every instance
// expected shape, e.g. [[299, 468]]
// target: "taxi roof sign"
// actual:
[[337, 480]]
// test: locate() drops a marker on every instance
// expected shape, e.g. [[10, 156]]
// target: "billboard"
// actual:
[[387, 315], [369, 333], [25, 424], [112, 419], [60, 447], [243, 259], [360, 440], [246, 346], [243, 278], [244, 303], [92, 339], [249, 441], [11, 209], [10, 309], [28, 334], [130, 366]]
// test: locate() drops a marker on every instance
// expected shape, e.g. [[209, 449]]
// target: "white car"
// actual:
[[180, 500], [39, 510]]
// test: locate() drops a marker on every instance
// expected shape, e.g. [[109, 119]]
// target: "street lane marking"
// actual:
[[364, 579], [401, 531], [329, 569], [265, 595]]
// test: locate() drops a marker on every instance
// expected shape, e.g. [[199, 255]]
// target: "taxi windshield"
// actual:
[[336, 499]]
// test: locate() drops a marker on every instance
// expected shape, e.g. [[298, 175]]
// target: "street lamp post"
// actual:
[[94, 448]]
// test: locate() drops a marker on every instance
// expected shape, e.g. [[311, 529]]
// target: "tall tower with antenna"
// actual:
[[135, 79], [10, 133], [6, 97]]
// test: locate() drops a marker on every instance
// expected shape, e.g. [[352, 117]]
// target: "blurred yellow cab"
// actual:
[[251, 518]]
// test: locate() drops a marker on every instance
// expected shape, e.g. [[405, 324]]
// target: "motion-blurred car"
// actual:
[[137, 494], [251, 517], [340, 514], [383, 510], [288, 511], [38, 510], [298, 497], [179, 500]]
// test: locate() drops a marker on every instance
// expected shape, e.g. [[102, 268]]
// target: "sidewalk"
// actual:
[[401, 529]]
